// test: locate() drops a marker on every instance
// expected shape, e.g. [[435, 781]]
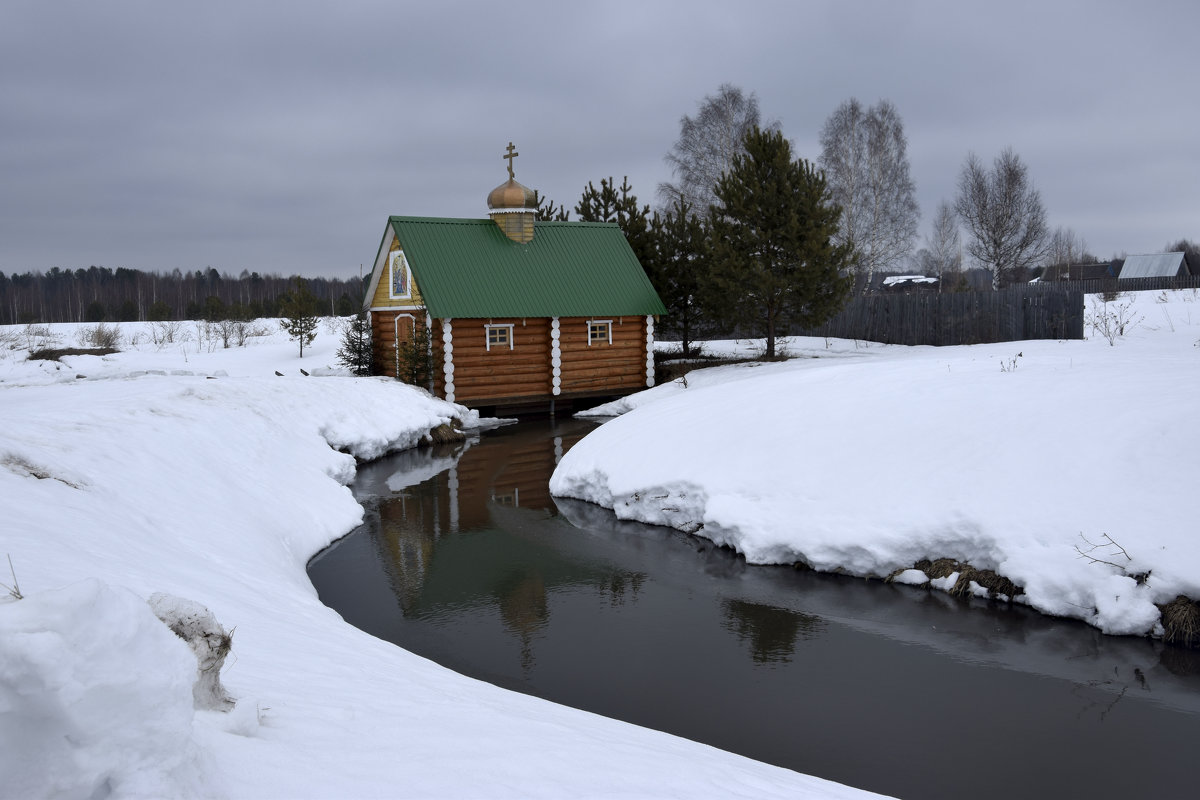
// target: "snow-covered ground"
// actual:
[[1066, 466], [187, 468]]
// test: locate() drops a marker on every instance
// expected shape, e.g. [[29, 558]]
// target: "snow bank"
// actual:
[[96, 696], [201, 474], [1019, 458]]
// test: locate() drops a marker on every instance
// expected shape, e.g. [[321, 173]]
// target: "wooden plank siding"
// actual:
[[383, 292]]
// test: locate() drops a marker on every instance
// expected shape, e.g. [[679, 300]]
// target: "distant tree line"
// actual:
[[103, 294]]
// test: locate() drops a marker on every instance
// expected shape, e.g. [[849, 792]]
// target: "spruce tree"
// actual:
[[355, 351], [416, 357], [299, 311], [774, 260]]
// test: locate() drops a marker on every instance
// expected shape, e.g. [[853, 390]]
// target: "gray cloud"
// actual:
[[278, 136]]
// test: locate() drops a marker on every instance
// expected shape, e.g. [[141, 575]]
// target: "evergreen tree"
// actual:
[[679, 266], [299, 312], [611, 203], [214, 309], [346, 306], [416, 357], [127, 311], [159, 311], [355, 351], [774, 260], [546, 210]]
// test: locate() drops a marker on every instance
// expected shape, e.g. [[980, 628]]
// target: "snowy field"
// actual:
[[1065, 466], [194, 470]]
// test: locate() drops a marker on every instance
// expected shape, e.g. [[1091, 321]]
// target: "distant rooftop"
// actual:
[[1155, 265], [893, 280]]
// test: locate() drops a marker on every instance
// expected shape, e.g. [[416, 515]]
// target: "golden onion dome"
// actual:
[[511, 195]]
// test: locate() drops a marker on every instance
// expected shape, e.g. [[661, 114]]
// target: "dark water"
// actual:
[[466, 559]]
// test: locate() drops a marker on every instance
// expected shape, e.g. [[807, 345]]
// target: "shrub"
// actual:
[[102, 336], [39, 337], [1115, 321]]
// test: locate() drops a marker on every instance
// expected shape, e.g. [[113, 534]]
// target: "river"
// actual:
[[466, 559]]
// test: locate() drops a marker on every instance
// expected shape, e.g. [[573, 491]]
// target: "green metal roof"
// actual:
[[469, 268]]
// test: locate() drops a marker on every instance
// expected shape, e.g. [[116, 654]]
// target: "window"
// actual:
[[599, 331], [499, 336], [401, 281]]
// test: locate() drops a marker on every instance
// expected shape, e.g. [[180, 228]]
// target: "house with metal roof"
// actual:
[[511, 312], [1155, 265]]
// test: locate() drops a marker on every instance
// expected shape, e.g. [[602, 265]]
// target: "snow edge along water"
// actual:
[[207, 475], [875, 460]]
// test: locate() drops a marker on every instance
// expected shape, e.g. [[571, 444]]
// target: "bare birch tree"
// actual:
[[1003, 214], [864, 154], [707, 144], [1065, 247], [944, 244]]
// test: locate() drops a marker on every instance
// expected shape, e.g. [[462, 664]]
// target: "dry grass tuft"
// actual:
[[56, 353], [1181, 622], [988, 579], [995, 584], [939, 568], [446, 434]]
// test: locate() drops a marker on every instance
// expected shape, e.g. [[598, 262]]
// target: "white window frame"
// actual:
[[396, 259], [607, 323], [487, 334]]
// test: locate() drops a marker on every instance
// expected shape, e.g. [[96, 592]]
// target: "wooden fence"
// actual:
[[1043, 310], [958, 317], [1113, 285]]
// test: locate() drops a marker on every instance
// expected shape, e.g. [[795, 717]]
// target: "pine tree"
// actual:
[[355, 352], [774, 260], [547, 211], [611, 203], [299, 311], [679, 268]]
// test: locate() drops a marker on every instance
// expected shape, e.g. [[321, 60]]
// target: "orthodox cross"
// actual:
[[510, 156]]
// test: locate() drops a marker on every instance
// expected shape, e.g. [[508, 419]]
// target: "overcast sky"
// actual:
[[278, 136]]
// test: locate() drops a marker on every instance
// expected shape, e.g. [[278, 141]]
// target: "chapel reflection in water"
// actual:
[[477, 534], [677, 633]]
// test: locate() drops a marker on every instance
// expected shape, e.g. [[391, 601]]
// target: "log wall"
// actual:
[[482, 376], [619, 366], [383, 337]]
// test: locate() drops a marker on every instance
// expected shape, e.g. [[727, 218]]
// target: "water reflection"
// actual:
[[465, 559], [771, 631], [473, 526]]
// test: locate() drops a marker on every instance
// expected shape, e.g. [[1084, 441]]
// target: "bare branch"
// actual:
[[707, 145], [1093, 547], [1003, 213], [865, 160]]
